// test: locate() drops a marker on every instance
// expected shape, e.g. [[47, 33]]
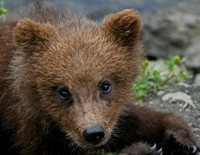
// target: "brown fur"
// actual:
[[47, 50]]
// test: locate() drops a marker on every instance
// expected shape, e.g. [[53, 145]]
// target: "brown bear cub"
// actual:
[[65, 88]]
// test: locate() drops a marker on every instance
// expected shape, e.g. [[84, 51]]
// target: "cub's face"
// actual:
[[79, 76]]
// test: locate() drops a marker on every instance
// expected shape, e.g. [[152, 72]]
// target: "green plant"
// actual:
[[152, 78], [3, 11]]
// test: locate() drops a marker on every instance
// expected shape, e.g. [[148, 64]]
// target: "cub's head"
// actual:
[[76, 74]]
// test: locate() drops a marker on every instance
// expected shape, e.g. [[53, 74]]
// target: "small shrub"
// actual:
[[153, 78], [3, 11]]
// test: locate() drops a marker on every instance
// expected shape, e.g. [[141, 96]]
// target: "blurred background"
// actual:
[[169, 27]]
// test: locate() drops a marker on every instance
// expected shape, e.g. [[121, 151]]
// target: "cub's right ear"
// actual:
[[32, 37]]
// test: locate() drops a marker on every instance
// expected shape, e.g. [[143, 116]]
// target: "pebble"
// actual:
[[160, 93], [190, 20], [178, 96]]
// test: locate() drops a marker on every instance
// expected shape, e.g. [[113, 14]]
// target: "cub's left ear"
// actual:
[[123, 27], [31, 36]]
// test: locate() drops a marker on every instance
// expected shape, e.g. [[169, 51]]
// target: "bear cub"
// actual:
[[65, 88]]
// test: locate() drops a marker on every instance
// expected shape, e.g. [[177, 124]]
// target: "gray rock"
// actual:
[[171, 31], [178, 96], [193, 53], [197, 80], [160, 93], [190, 20]]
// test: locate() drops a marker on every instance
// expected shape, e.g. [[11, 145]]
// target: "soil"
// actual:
[[187, 107]]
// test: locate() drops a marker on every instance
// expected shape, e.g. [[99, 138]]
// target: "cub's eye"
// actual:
[[105, 87], [64, 94]]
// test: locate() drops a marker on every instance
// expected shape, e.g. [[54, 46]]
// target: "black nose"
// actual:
[[94, 135]]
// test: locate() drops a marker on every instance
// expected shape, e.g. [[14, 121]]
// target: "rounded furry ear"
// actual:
[[123, 27], [32, 36]]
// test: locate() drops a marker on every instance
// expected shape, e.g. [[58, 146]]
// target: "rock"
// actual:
[[190, 20], [197, 80], [160, 93], [193, 53], [171, 31], [184, 85], [94, 9], [178, 96]]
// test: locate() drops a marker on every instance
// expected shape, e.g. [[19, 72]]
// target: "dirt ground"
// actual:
[[187, 107]]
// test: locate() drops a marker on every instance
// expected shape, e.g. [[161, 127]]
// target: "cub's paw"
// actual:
[[142, 149], [180, 142]]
